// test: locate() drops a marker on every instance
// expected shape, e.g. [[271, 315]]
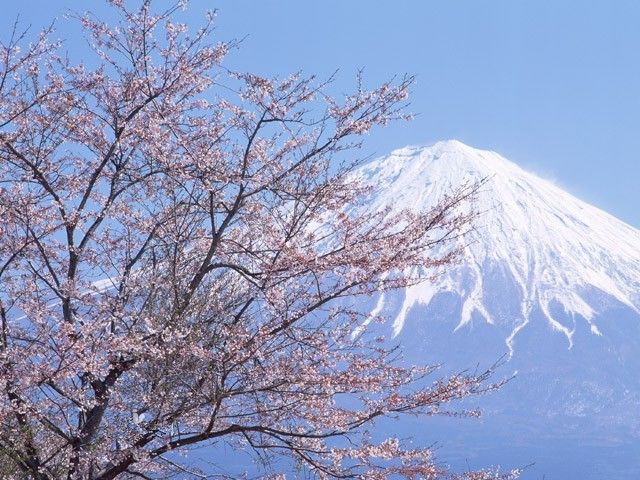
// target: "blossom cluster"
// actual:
[[178, 260]]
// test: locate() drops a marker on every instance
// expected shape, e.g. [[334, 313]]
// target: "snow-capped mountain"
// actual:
[[545, 278], [557, 250]]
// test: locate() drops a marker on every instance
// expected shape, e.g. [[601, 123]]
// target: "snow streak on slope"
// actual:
[[555, 248]]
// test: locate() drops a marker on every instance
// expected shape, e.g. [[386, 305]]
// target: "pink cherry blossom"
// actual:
[[181, 252]]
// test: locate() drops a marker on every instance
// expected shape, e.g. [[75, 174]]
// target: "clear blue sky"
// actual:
[[551, 84]]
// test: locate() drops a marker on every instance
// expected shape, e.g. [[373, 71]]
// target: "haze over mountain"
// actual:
[[549, 280]]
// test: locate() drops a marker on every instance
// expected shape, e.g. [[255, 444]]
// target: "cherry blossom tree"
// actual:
[[180, 250]]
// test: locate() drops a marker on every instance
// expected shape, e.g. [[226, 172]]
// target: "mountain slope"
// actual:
[[564, 257], [545, 277]]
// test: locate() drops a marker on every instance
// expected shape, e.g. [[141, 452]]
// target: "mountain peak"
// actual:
[[451, 157], [451, 145], [563, 256]]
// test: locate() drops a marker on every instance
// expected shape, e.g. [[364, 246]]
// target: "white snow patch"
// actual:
[[555, 246]]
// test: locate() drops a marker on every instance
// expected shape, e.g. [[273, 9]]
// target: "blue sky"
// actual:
[[551, 84]]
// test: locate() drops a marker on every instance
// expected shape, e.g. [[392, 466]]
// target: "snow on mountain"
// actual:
[[562, 254]]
